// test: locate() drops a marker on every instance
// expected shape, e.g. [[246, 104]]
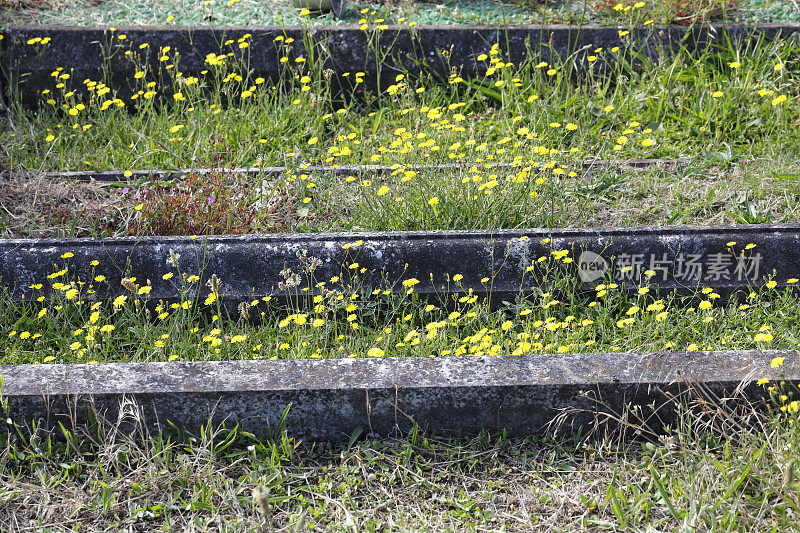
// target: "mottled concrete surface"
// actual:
[[341, 49], [682, 257], [331, 398]]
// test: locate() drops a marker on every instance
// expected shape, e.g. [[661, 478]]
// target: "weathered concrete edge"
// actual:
[[343, 170], [331, 398]]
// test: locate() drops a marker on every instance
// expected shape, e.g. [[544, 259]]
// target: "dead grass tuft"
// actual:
[[46, 207]]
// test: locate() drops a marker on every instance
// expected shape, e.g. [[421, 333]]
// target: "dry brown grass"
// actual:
[[39, 206], [44, 4]]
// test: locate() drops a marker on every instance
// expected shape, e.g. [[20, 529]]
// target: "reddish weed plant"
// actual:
[[213, 203], [673, 11]]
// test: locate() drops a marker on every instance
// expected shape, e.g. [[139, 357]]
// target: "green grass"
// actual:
[[725, 466], [218, 12], [537, 112]]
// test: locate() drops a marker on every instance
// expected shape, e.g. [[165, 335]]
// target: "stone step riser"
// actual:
[[345, 49], [331, 398], [683, 259]]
